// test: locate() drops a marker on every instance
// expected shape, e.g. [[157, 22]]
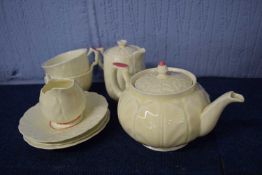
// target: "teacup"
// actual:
[[62, 102], [70, 63]]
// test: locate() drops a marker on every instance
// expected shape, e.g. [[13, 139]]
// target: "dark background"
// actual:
[[232, 148]]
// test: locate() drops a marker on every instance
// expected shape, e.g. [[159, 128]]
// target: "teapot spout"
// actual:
[[211, 113]]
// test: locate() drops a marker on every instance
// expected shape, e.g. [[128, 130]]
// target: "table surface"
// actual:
[[234, 146]]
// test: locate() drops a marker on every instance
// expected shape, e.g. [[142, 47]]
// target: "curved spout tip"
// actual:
[[211, 113], [142, 50], [235, 97]]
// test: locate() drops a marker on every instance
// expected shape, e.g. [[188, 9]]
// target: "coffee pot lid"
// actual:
[[122, 50], [163, 80]]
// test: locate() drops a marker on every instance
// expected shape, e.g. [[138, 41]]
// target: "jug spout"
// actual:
[[211, 113], [53, 85]]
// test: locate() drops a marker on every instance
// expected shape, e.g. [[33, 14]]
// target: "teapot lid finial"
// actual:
[[162, 63], [162, 70]]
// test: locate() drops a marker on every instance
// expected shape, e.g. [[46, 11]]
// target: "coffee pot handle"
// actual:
[[123, 68]]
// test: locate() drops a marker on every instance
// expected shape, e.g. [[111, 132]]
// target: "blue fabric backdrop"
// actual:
[[209, 38]]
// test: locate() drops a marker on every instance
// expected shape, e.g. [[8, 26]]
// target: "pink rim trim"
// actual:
[[69, 121], [50, 124], [65, 123]]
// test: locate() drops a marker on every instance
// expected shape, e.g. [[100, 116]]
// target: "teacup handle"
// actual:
[[100, 63], [92, 50]]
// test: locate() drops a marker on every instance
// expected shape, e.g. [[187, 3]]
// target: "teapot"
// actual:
[[131, 55], [164, 108]]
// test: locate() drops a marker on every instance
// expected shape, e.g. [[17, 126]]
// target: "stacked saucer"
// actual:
[[43, 132]]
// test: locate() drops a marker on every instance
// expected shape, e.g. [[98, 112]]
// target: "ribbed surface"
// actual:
[[210, 38]]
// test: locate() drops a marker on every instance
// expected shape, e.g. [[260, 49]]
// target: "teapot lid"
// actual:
[[163, 80], [122, 50]]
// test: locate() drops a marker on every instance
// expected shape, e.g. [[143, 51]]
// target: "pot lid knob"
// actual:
[[122, 43], [162, 70]]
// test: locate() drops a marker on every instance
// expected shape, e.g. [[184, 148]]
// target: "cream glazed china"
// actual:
[[35, 126], [131, 55], [72, 65], [62, 102], [164, 108], [71, 142], [84, 80]]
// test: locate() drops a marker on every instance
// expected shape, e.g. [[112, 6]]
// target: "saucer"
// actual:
[[34, 126], [71, 142], [85, 134]]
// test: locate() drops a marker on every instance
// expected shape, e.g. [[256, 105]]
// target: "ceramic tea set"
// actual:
[[163, 108]]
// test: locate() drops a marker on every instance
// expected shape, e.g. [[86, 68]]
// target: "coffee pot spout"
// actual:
[[211, 113], [139, 53]]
